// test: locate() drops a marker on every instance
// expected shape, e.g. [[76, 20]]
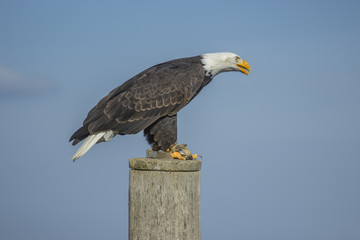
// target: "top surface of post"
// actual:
[[161, 163]]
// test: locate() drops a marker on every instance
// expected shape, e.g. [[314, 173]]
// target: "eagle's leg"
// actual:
[[162, 134]]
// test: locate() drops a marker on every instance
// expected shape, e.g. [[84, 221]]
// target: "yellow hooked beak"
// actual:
[[243, 66]]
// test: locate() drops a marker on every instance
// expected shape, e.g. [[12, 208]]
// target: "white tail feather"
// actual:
[[87, 144]]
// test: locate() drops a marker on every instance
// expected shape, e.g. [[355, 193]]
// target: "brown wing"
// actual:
[[158, 91]]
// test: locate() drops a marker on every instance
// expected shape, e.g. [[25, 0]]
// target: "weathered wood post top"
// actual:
[[164, 198]]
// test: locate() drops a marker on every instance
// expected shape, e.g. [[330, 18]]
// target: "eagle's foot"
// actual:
[[155, 147], [182, 152]]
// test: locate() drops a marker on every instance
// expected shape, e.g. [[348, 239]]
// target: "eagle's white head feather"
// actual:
[[215, 63]]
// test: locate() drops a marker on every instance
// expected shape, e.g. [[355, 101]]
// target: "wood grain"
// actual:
[[164, 204]]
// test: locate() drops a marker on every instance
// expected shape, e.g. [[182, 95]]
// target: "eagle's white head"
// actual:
[[215, 63]]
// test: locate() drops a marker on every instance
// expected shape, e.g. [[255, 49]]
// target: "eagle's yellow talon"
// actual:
[[177, 155]]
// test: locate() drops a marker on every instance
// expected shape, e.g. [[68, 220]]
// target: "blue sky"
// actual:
[[280, 146]]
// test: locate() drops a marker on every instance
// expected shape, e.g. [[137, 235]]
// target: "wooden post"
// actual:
[[164, 199]]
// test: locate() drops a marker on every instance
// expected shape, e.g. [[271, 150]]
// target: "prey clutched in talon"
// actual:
[[182, 152], [177, 155]]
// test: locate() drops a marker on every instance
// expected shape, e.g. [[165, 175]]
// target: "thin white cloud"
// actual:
[[12, 82]]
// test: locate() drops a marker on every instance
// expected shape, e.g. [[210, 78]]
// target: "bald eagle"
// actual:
[[150, 101]]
